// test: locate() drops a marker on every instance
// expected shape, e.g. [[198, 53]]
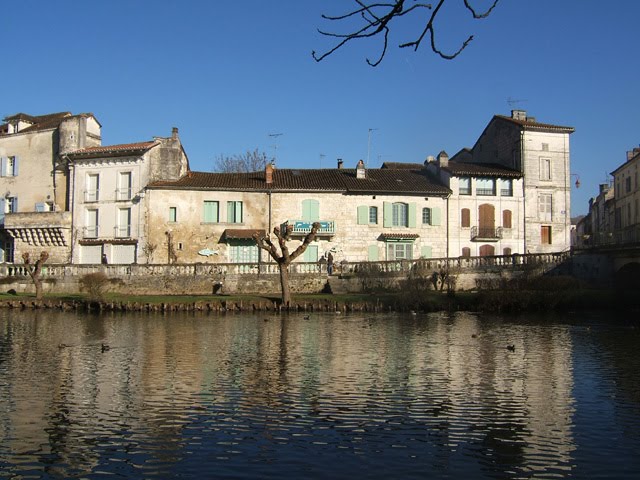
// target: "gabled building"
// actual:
[[365, 214], [627, 198], [541, 153], [34, 181], [110, 213]]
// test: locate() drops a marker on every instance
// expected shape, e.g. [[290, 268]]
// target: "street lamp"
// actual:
[[577, 184]]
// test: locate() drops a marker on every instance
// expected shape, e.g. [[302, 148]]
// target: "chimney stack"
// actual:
[[519, 114], [268, 173], [174, 133], [443, 159], [340, 162], [360, 170]]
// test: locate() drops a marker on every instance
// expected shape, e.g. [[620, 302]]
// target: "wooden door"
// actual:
[[486, 221]]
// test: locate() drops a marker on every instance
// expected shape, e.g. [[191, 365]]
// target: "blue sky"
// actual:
[[229, 74]]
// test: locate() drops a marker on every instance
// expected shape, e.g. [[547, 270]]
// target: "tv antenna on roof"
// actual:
[[322, 155], [275, 147], [514, 101]]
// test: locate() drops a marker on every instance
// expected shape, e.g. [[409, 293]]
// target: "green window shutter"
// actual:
[[387, 213], [310, 210], [311, 253], [412, 215], [210, 212], [426, 251], [230, 208], [363, 215], [373, 253], [436, 216]]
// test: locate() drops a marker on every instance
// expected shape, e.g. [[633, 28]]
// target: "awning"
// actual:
[[241, 233], [386, 237]]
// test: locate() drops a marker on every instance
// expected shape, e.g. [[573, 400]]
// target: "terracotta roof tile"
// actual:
[[399, 236], [334, 180], [242, 233], [484, 169], [402, 166], [533, 125], [105, 150]]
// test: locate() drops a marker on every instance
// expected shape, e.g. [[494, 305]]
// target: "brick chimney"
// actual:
[[268, 173]]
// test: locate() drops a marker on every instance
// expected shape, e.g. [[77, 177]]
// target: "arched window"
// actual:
[[465, 218], [506, 251], [506, 218], [487, 250], [466, 252]]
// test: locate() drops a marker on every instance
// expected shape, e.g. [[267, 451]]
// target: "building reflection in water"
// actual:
[[442, 387]]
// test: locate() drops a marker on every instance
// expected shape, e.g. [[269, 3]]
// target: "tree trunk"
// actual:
[[37, 281], [284, 284]]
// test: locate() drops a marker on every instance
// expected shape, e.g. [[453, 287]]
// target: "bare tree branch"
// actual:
[[243, 163], [378, 24]]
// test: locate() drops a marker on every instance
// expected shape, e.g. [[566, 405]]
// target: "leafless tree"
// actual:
[[246, 162], [376, 21], [283, 258], [35, 270]]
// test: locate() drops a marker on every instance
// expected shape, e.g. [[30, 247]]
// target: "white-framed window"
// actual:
[[545, 207], [464, 186], [173, 214], [400, 214], [92, 192], [373, 215], [234, 212], [426, 216], [124, 186], [123, 228], [11, 205], [9, 166], [211, 211], [91, 223], [545, 169], [486, 186], [399, 251], [506, 187]]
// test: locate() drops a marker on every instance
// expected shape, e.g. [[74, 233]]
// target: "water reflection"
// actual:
[[364, 396]]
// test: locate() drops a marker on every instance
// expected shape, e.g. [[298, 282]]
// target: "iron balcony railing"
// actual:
[[486, 234], [302, 227]]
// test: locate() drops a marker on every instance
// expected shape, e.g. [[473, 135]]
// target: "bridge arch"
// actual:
[[628, 277]]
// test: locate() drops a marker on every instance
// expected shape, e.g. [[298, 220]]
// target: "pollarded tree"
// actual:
[[283, 258], [35, 270], [376, 19], [247, 162]]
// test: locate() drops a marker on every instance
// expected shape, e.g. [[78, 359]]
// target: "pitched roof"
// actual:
[[481, 170], [402, 166], [40, 122], [389, 181], [531, 124], [113, 150]]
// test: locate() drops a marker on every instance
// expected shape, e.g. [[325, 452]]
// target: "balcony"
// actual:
[[484, 234], [90, 231], [303, 227], [122, 231], [123, 194]]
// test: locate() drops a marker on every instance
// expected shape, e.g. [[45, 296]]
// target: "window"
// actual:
[[6, 251], [9, 167], [373, 215], [123, 228], [124, 186], [426, 216], [243, 251], [545, 235], [506, 218], [545, 207], [465, 218], [506, 251], [92, 191], [487, 250], [545, 169], [11, 205], [464, 186], [628, 184], [506, 187], [173, 214], [211, 212], [400, 215], [399, 251], [486, 186], [234, 212], [466, 252], [91, 223]]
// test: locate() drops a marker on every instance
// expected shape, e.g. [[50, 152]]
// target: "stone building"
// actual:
[[34, 177], [627, 197], [110, 211], [380, 214], [540, 151]]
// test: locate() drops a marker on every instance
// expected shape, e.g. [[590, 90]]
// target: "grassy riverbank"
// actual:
[[429, 301]]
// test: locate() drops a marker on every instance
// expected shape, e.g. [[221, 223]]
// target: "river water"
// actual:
[[327, 396]]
